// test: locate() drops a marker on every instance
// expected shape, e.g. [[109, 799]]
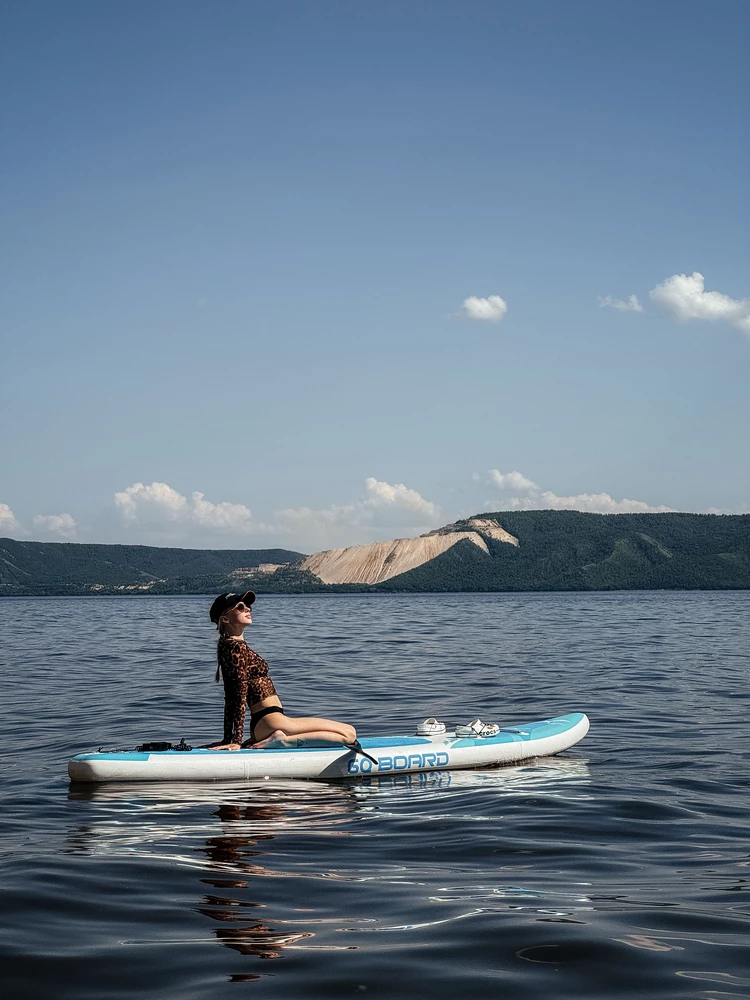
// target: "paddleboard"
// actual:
[[391, 755]]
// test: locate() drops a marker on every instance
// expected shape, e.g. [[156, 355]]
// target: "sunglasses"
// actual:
[[242, 607]]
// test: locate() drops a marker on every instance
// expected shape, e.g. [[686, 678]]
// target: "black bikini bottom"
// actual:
[[255, 717]]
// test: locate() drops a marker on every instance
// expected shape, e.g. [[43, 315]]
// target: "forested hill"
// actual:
[[72, 568], [571, 550], [557, 550]]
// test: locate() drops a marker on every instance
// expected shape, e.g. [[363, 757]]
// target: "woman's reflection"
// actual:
[[251, 824], [233, 848]]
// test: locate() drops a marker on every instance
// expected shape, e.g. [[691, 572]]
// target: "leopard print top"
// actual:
[[246, 682]]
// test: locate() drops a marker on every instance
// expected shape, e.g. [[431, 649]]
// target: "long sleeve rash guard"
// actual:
[[246, 682]]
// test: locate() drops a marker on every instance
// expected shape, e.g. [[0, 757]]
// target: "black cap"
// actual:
[[224, 602]]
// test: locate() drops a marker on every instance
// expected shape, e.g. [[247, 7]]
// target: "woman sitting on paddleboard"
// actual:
[[246, 682]]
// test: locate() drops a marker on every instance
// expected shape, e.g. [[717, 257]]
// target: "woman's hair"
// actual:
[[222, 635]]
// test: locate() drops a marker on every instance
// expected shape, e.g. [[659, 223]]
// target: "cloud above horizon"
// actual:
[[528, 495], [160, 508], [61, 525], [9, 525], [384, 505], [515, 481], [491, 309], [159, 513], [684, 296], [630, 304], [397, 497]]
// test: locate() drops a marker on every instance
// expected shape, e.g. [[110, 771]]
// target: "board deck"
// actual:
[[394, 754]]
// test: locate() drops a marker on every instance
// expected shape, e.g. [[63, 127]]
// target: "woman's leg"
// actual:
[[328, 729]]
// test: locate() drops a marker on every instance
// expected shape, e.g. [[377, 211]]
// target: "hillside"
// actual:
[[72, 568], [504, 551], [381, 561], [571, 550]]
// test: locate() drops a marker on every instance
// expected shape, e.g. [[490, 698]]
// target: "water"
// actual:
[[619, 869]]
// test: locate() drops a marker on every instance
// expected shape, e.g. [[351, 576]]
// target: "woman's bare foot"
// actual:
[[225, 746], [277, 736]]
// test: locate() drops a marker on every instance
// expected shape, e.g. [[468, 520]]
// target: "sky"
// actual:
[[320, 273]]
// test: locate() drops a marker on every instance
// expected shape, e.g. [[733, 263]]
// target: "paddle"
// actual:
[[356, 747]]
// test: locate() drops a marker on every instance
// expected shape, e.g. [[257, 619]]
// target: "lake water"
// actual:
[[618, 869]]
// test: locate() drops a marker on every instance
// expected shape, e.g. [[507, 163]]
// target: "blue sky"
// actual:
[[343, 268]]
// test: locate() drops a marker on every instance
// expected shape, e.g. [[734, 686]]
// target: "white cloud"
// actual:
[[56, 524], [158, 507], [9, 526], [398, 497], [347, 515], [685, 297], [385, 510], [630, 304], [493, 308], [596, 503], [530, 496], [507, 480], [159, 514]]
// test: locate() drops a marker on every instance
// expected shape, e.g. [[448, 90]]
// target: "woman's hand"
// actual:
[[225, 746]]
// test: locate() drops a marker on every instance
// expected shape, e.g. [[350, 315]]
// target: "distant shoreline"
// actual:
[[539, 551], [336, 594]]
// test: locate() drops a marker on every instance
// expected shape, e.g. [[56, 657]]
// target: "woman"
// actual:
[[246, 682]]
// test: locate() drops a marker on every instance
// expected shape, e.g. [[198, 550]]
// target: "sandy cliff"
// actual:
[[383, 560], [482, 525]]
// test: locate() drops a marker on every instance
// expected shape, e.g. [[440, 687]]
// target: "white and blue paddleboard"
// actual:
[[386, 755]]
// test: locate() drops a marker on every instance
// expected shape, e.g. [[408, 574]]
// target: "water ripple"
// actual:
[[619, 869]]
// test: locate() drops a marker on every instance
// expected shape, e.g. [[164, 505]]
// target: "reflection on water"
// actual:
[[618, 870], [231, 849], [239, 829], [549, 774], [235, 838]]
